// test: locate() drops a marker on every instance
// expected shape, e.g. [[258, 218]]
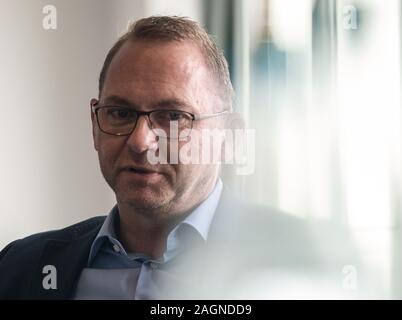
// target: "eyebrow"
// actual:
[[165, 104], [119, 101]]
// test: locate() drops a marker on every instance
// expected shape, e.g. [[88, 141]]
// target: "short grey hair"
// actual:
[[174, 28]]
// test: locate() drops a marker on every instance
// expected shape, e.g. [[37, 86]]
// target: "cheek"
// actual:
[[108, 150], [189, 173]]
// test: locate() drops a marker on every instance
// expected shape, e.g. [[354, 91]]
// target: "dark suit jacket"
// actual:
[[244, 237]]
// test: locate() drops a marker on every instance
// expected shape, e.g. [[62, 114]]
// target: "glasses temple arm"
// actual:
[[208, 115]]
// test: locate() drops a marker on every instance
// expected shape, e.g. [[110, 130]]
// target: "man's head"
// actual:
[[161, 63], [177, 29]]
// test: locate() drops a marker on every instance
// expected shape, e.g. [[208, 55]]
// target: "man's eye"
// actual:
[[119, 113], [174, 116]]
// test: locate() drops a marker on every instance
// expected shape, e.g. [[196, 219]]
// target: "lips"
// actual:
[[141, 170], [142, 175]]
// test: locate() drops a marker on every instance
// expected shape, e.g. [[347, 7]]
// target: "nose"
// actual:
[[142, 138]]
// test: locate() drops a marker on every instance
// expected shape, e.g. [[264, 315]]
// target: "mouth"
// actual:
[[143, 176], [141, 171]]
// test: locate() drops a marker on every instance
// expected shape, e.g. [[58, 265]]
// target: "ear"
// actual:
[[94, 123]]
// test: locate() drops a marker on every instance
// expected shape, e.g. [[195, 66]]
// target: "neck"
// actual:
[[145, 233]]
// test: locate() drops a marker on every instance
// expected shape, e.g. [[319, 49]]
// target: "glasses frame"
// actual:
[[95, 107]]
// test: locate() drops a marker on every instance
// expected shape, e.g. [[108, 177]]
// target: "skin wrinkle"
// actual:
[[147, 72]]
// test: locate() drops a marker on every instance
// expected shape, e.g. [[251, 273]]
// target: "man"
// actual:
[[174, 224]]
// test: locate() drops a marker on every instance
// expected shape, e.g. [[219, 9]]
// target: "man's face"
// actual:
[[152, 75]]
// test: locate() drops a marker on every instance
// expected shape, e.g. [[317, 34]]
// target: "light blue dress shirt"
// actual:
[[113, 273]]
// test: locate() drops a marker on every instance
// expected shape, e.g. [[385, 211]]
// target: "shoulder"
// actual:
[[238, 216], [31, 246], [279, 235], [19, 260]]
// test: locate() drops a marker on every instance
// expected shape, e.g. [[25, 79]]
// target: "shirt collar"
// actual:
[[199, 220], [201, 217]]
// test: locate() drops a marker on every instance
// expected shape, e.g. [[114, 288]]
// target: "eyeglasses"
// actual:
[[121, 121]]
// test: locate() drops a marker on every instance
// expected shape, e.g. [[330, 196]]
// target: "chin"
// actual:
[[146, 199]]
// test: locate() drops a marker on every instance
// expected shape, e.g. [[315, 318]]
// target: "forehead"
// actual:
[[148, 71]]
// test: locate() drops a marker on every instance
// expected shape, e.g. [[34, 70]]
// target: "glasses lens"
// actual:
[[116, 120], [165, 119]]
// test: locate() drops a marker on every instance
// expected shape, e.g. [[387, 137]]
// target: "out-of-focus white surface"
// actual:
[[325, 100]]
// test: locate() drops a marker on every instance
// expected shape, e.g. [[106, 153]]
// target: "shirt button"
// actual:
[[116, 248], [153, 265]]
